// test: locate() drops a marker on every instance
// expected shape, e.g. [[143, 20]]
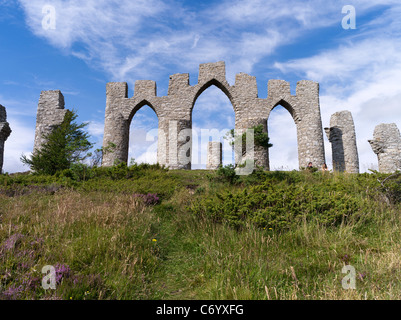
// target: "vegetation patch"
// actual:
[[144, 232]]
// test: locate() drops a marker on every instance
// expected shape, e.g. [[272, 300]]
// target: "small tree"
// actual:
[[97, 157], [261, 138], [66, 144]]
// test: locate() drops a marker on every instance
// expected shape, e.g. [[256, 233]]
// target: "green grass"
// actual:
[[107, 244]]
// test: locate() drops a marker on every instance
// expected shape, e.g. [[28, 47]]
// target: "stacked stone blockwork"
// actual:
[[386, 144], [5, 132], [214, 155], [50, 113], [174, 112], [342, 136]]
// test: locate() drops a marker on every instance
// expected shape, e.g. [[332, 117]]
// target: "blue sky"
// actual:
[[99, 41]]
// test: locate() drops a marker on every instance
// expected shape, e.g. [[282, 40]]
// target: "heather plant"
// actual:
[[149, 199]]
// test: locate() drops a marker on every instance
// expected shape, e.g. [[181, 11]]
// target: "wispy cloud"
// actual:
[[137, 38]]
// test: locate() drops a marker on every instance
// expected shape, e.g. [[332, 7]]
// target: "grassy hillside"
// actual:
[[144, 232]]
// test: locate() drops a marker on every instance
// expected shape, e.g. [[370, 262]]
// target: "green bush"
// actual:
[[227, 174], [279, 205], [390, 185]]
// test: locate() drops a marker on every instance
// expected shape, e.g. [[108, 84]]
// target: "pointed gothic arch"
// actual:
[[133, 143], [200, 149]]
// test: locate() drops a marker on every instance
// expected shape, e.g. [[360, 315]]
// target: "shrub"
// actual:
[[227, 174], [261, 138], [390, 186], [278, 206]]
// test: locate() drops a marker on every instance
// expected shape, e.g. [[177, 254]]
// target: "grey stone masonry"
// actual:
[[341, 134], [386, 144], [214, 155], [5, 132], [174, 112], [50, 113]]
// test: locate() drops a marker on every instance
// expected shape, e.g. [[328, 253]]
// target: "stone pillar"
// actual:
[[261, 153], [50, 113], [179, 144], [174, 143], [214, 155], [116, 127], [386, 144], [309, 125], [342, 136], [5, 132], [162, 142]]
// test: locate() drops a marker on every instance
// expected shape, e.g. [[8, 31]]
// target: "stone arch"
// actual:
[[217, 132], [213, 82], [174, 113], [120, 111], [144, 103], [304, 108], [288, 107], [139, 106]]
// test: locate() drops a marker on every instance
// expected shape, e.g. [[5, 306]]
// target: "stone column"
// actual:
[[214, 155], [50, 113], [5, 132], [162, 142], [342, 136], [386, 144], [309, 125], [174, 143], [259, 153], [116, 127], [179, 144]]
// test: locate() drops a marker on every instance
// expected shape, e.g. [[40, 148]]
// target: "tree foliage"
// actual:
[[261, 138], [67, 144]]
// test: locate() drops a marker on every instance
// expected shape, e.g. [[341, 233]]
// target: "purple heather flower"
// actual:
[[13, 292], [148, 199], [62, 271], [10, 243]]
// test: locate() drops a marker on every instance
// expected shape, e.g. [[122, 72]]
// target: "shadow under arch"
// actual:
[[141, 145]]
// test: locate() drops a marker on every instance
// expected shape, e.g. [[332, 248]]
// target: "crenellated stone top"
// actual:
[[243, 95], [249, 109]]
